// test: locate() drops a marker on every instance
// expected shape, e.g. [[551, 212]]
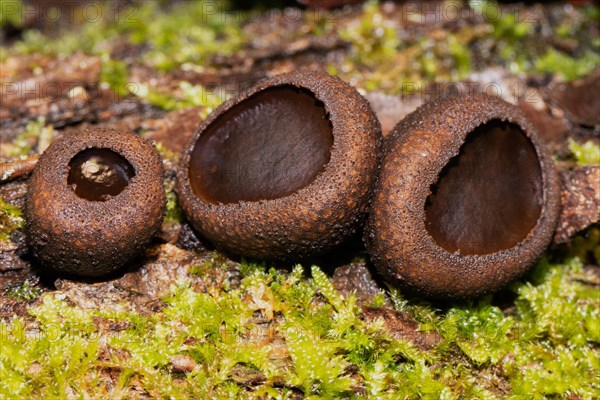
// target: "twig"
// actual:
[[16, 169]]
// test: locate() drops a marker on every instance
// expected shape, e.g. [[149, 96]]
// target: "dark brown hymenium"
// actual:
[[467, 199], [285, 170], [95, 199]]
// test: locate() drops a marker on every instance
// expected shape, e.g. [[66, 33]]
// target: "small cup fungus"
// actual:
[[94, 201]]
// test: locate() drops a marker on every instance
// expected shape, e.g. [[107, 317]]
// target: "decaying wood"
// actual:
[[16, 169], [580, 198]]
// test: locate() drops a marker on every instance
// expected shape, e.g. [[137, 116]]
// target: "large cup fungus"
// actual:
[[283, 171], [467, 199]]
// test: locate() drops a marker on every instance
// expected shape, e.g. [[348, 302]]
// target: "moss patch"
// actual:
[[34, 139], [587, 153], [10, 219], [25, 291], [173, 212], [186, 95], [281, 334], [190, 32], [385, 55]]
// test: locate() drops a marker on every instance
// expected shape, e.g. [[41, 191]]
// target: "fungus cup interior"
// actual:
[[97, 174], [268, 146], [488, 197]]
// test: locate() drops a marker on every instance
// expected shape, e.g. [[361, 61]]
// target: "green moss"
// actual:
[[374, 39], [513, 32], [56, 361], [173, 213], [115, 74], [563, 316], [186, 96], [165, 153], [569, 68], [312, 340], [10, 219], [461, 54], [190, 32], [587, 153], [508, 26], [25, 291], [91, 37], [318, 368], [187, 33], [379, 60], [35, 138], [592, 12]]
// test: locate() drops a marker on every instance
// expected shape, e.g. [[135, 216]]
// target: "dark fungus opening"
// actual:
[[488, 197], [97, 174], [268, 146]]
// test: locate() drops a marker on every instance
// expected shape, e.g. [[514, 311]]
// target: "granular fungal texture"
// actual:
[[95, 199], [285, 170], [467, 199]]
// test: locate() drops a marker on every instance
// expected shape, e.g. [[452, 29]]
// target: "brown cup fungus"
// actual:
[[467, 199], [94, 201], [283, 171]]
